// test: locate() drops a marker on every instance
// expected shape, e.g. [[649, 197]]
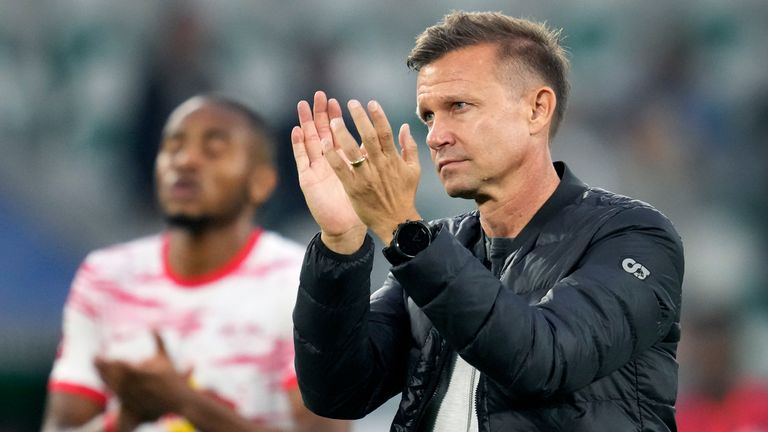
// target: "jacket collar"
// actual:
[[567, 191]]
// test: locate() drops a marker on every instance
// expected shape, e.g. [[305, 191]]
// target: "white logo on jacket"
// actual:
[[638, 270]]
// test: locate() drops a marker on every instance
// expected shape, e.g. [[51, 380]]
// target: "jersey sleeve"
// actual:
[[73, 370], [289, 380]]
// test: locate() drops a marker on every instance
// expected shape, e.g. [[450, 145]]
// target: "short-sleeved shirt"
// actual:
[[231, 329]]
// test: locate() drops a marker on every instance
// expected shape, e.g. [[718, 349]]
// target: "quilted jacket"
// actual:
[[577, 331]]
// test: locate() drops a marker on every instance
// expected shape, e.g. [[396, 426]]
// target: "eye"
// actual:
[[427, 117], [215, 147], [215, 143], [459, 105], [171, 144]]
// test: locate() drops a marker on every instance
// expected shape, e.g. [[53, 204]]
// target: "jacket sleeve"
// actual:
[[622, 298], [351, 347]]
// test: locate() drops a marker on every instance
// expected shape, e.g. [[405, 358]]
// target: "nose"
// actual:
[[189, 156], [439, 134]]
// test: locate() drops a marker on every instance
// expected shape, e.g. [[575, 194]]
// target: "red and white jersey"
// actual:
[[231, 328]]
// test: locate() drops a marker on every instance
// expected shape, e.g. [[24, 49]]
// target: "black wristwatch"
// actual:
[[409, 238]]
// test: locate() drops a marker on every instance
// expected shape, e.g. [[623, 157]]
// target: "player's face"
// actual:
[[476, 120], [203, 166]]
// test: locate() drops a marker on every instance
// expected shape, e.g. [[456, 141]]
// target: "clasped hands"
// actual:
[[148, 389], [350, 188]]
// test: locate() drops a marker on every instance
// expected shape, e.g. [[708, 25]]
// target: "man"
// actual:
[[189, 329], [552, 307]]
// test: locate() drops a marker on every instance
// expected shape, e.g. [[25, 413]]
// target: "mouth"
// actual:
[[184, 189], [447, 163]]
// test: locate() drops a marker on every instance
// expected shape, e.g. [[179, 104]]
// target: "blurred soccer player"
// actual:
[[189, 329]]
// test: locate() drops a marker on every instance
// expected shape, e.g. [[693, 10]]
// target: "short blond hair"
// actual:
[[521, 42]]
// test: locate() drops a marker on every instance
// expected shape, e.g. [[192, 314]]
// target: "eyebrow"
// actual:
[[216, 132], [211, 132], [442, 99], [175, 135], [418, 114]]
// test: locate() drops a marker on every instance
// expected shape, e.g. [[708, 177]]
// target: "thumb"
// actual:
[[159, 343], [408, 146], [188, 376]]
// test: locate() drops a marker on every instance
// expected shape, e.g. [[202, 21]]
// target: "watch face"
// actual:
[[413, 237]]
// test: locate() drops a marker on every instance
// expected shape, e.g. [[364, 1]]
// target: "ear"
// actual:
[[262, 183], [543, 103]]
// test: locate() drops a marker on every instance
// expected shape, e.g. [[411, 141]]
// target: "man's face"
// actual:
[[477, 121], [203, 167]]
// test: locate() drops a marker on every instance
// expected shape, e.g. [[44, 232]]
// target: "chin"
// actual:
[[461, 193], [455, 190], [189, 222]]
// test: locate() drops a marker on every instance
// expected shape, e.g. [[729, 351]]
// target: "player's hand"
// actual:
[[149, 389], [382, 189], [342, 230]]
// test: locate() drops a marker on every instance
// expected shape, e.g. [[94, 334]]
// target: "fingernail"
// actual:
[[373, 106], [354, 104]]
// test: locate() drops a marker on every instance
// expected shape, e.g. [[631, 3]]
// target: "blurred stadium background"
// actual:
[[669, 105]]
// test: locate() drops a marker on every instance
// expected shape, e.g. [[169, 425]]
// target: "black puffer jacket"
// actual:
[[578, 332]]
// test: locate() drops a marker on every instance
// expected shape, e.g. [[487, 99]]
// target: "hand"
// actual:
[[149, 389], [342, 230], [383, 189]]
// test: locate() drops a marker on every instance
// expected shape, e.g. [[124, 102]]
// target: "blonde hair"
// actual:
[[521, 43]]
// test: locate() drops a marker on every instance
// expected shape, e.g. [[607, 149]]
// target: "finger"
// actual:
[[187, 375], [408, 146], [311, 138], [335, 112], [299, 150], [109, 365], [334, 109], [159, 343], [365, 128], [320, 115], [382, 127], [344, 141], [109, 371], [336, 160], [101, 366]]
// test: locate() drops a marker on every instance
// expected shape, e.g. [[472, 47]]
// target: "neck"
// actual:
[[193, 254], [506, 214]]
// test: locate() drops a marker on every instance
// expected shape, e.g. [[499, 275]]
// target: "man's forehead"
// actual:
[[448, 65], [222, 115], [433, 76], [457, 68], [443, 89], [451, 84], [478, 55], [185, 109]]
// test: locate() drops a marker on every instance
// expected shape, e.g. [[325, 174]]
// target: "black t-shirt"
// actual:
[[498, 251]]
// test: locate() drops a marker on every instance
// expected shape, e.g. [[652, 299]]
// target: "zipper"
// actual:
[[434, 383], [472, 406], [477, 400]]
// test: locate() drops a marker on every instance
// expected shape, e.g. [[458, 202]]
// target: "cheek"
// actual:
[[230, 180], [161, 166], [500, 141]]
